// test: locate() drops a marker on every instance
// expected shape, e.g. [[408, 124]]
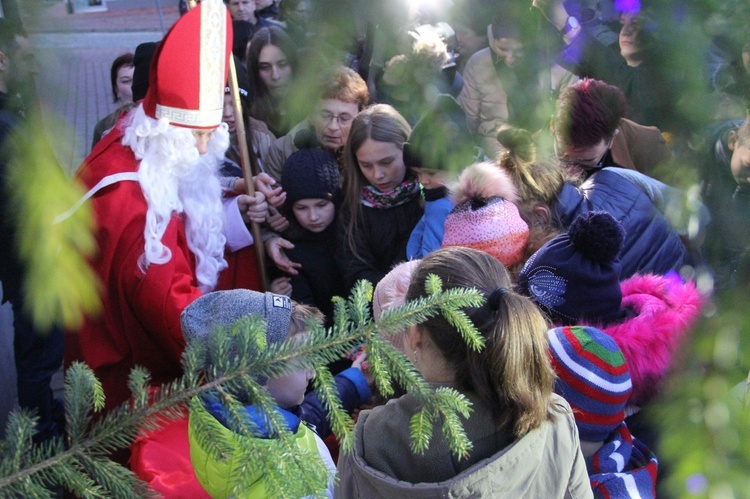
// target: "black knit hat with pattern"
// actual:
[[310, 174], [575, 277]]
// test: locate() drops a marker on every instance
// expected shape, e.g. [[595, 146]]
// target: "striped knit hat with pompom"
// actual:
[[592, 376], [485, 218]]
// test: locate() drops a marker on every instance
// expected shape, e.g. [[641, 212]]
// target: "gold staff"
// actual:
[[247, 169]]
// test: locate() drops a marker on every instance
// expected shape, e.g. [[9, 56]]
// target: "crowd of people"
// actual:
[[523, 151]]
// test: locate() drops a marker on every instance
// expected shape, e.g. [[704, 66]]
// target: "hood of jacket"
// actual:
[[546, 462], [664, 309]]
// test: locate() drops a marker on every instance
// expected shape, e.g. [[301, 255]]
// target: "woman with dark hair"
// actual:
[[121, 81], [271, 64], [121, 77], [525, 443]]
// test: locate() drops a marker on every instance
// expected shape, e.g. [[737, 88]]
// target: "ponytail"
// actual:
[[512, 375]]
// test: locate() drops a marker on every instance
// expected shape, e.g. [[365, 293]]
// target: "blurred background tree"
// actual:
[[704, 413]]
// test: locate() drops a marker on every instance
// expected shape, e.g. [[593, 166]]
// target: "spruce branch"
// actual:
[[420, 426], [227, 366], [341, 423]]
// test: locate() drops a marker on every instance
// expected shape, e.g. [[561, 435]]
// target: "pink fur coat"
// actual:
[[665, 309]]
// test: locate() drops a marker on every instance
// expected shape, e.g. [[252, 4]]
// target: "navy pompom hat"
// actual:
[[310, 174], [575, 277]]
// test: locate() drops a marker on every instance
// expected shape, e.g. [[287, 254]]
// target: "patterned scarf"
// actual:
[[623, 467], [402, 194]]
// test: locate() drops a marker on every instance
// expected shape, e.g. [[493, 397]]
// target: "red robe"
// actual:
[[140, 321]]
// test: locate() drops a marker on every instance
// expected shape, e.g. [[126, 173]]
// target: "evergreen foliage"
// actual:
[[60, 287], [706, 434], [227, 369], [705, 414]]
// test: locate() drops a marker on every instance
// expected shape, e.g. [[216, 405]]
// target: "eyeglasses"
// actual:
[[569, 163], [326, 118]]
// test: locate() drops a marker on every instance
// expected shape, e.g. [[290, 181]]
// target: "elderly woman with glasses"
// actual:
[[342, 94]]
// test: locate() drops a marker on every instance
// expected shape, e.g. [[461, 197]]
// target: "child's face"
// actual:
[[228, 114], [382, 164], [314, 214], [289, 390], [431, 179]]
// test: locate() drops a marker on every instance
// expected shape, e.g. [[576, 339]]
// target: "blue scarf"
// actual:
[[623, 467]]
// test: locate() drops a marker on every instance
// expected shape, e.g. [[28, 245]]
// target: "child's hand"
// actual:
[[265, 184], [281, 286], [275, 249], [239, 186], [253, 208], [276, 220], [360, 362]]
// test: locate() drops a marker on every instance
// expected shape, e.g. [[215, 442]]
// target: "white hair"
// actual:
[[176, 179]]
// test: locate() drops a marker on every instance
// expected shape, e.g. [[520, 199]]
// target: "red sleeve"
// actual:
[[158, 297]]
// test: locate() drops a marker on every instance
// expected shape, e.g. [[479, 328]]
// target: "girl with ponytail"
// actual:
[[551, 197], [524, 439]]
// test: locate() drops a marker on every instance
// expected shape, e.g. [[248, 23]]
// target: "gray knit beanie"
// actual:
[[221, 309]]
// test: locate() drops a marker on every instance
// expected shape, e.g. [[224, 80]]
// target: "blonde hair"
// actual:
[[390, 292], [512, 374], [301, 317], [538, 182]]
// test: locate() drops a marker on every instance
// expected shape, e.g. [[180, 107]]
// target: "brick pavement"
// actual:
[[75, 52], [120, 19]]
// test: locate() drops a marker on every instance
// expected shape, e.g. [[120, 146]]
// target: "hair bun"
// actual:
[[597, 236], [519, 143]]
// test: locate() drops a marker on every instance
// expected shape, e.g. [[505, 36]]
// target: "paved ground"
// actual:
[[75, 52]]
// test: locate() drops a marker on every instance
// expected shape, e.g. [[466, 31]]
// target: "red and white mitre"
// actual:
[[189, 69]]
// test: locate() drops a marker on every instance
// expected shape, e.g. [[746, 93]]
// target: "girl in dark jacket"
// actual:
[[310, 178], [382, 201]]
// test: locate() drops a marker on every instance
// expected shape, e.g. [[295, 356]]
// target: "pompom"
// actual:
[[484, 180], [597, 236]]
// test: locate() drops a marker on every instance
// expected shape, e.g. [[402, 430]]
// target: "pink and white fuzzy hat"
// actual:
[[485, 217]]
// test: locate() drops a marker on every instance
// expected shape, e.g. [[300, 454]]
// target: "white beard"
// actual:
[[176, 179]]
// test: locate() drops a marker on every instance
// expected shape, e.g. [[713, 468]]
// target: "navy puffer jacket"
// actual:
[[637, 202]]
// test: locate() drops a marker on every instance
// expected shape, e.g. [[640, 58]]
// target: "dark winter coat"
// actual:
[[319, 279], [637, 202], [380, 238]]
